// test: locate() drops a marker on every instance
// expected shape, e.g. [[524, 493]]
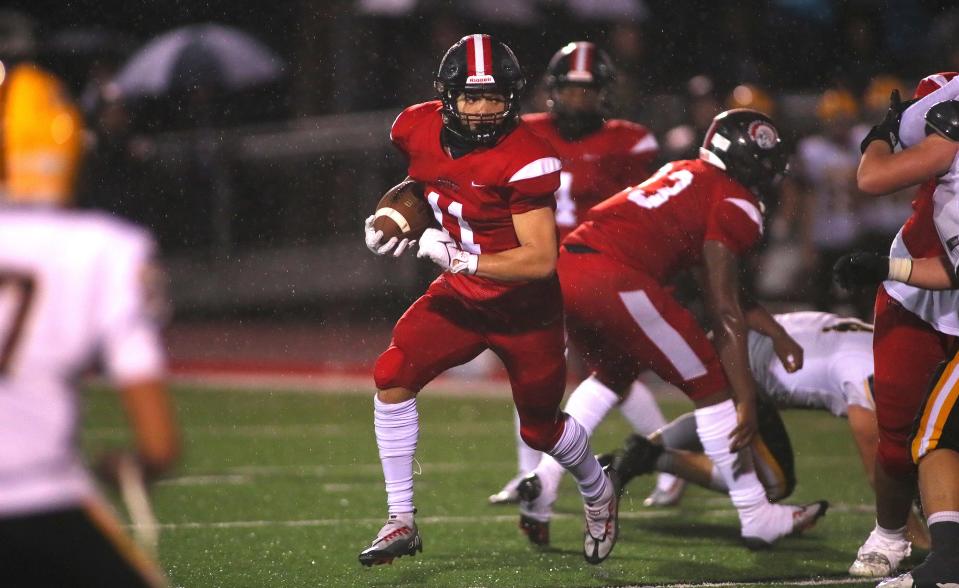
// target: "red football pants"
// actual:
[[443, 329], [907, 350], [624, 322]]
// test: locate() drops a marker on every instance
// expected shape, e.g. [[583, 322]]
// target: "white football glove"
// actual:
[[373, 238], [441, 248]]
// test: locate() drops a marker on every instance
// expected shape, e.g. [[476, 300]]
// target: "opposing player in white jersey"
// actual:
[[836, 377], [73, 286], [933, 444]]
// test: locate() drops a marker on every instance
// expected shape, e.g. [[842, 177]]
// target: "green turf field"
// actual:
[[284, 489]]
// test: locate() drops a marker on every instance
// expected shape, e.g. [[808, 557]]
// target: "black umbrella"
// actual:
[[194, 55]]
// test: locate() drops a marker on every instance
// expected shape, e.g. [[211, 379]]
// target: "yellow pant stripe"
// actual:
[[938, 406], [767, 466]]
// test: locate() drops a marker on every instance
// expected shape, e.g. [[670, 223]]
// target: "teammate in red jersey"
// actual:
[[490, 181], [915, 329], [613, 268], [600, 157]]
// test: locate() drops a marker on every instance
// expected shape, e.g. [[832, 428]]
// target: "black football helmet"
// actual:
[[746, 144], [585, 65], [479, 63]]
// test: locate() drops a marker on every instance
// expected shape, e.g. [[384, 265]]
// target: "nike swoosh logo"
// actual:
[[475, 185]]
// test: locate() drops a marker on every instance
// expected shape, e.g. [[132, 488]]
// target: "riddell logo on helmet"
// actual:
[[763, 134], [480, 80], [579, 76]]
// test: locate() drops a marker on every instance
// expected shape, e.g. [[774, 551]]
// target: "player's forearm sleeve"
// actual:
[[912, 127]]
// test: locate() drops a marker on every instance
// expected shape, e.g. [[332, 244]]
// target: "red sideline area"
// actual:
[[315, 358], [302, 357]]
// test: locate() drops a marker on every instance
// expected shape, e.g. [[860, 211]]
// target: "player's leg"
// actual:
[[934, 447], [771, 453], [536, 365], [433, 335], [906, 351], [668, 339], [865, 433], [527, 459], [641, 410], [73, 547]]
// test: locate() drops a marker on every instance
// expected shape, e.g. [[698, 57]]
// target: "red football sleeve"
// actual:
[[533, 193], [736, 223]]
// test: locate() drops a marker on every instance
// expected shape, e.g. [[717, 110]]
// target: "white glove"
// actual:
[[441, 248], [373, 238]]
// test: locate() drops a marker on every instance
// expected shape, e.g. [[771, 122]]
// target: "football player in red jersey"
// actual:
[[490, 182], [915, 333], [600, 157], [613, 270]]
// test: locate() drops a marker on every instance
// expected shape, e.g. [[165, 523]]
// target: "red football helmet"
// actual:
[[479, 63], [580, 64]]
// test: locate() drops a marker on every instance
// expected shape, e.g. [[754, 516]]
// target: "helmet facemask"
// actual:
[[575, 122], [484, 129]]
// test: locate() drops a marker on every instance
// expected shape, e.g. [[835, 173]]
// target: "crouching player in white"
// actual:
[[72, 284], [836, 377]]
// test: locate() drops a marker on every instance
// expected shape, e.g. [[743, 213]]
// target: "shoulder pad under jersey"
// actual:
[[943, 118]]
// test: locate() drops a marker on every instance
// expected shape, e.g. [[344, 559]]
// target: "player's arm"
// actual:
[[534, 259], [881, 171], [151, 416], [731, 330], [758, 318]]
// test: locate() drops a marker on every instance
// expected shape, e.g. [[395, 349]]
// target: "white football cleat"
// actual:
[[509, 494], [602, 523], [670, 495], [782, 520], [879, 557], [398, 537]]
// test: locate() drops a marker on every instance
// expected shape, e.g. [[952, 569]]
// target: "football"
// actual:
[[403, 212]]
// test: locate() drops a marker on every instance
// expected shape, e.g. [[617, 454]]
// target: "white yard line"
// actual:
[[809, 582], [459, 520]]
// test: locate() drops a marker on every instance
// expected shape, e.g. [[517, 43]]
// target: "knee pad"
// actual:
[[773, 453], [390, 370]]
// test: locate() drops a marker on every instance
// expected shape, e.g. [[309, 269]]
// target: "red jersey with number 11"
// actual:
[[475, 196], [659, 226]]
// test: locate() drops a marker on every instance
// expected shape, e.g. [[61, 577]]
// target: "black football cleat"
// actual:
[[638, 457]]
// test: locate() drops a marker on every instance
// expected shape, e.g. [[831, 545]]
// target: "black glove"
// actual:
[[888, 130], [862, 268]]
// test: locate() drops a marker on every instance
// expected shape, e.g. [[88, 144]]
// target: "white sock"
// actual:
[[527, 457], [641, 410], [397, 428], [713, 425], [943, 516], [573, 453], [665, 481], [891, 534], [716, 482], [590, 402]]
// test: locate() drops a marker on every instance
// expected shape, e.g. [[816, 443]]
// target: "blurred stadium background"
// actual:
[[257, 190]]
